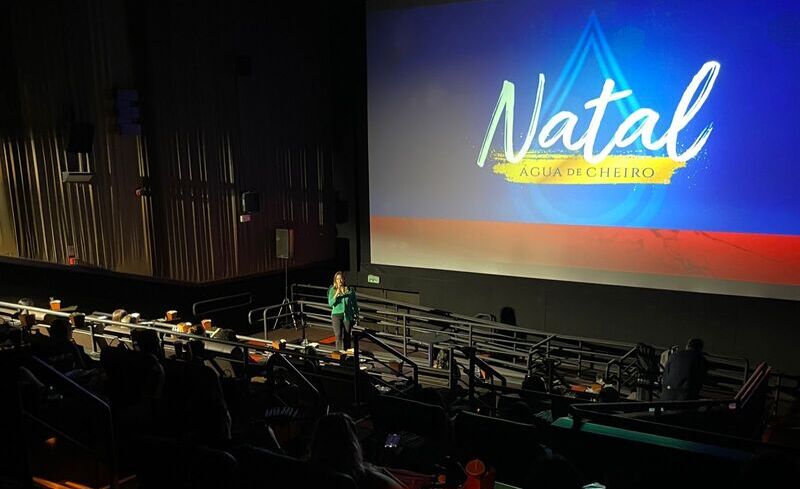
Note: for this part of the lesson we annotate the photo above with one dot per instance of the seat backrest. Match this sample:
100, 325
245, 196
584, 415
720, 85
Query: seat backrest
131, 375
194, 402
337, 384
264, 468
560, 406
394, 414
63, 356
229, 353
508, 446
165, 462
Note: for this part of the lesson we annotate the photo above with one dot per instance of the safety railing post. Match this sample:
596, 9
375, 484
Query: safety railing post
91, 334
471, 355
405, 337
451, 366
302, 319
245, 361
356, 372
264, 317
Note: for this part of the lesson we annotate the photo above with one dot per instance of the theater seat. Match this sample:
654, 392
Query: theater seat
424, 432
194, 406
266, 469
390, 413
134, 385
507, 446
171, 464
337, 384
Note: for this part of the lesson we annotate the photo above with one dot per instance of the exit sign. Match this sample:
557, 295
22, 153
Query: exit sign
373, 279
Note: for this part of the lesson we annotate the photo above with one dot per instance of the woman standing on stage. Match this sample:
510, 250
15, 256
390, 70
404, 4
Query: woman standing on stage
344, 309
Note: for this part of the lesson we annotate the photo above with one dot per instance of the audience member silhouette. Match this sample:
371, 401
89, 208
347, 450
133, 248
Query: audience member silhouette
608, 393
684, 373
146, 340
336, 446
118, 314
62, 352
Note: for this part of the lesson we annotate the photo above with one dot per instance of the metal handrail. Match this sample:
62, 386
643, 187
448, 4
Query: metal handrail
468, 329
161, 328
459, 329
103, 405
278, 357
452, 317
263, 310
466, 320
366, 334
618, 362
19, 307
760, 375
370, 335
605, 411
459, 325
602, 413
222, 299
471, 353
581, 353
510, 328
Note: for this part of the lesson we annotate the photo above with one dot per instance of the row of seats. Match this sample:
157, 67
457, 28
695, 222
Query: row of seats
172, 422
427, 435
166, 463
175, 419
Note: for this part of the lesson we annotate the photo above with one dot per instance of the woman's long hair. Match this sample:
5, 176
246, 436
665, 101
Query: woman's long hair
344, 281
336, 446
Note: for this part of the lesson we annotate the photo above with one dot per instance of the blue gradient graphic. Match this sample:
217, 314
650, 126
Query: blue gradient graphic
434, 75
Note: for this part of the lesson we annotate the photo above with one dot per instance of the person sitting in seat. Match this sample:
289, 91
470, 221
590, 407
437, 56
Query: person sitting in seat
118, 314
146, 340
132, 318
25, 303
684, 373
197, 330
336, 447
608, 393
62, 352
196, 351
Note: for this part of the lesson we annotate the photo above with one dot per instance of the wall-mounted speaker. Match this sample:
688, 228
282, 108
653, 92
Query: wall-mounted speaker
251, 202
284, 243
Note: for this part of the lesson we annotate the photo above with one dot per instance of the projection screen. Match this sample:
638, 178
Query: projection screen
639, 143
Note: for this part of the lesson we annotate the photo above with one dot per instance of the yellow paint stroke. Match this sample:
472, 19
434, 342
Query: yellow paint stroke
566, 169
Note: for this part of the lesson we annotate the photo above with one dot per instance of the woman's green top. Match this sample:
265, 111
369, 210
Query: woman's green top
344, 304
